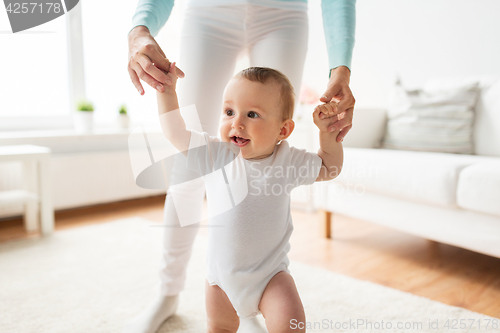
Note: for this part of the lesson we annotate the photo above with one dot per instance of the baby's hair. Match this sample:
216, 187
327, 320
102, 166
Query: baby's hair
265, 75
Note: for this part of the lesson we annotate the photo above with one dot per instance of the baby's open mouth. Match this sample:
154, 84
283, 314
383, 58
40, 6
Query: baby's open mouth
239, 140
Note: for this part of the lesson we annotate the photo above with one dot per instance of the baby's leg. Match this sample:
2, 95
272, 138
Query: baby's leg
222, 317
281, 305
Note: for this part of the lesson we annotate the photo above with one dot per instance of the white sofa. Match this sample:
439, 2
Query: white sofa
448, 198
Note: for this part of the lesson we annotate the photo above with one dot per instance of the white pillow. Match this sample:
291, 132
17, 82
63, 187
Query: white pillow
431, 120
486, 132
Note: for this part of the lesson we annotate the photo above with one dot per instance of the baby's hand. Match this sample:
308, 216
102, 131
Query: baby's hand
172, 75
324, 115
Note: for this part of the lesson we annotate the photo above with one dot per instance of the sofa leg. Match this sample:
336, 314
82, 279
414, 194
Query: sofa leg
327, 222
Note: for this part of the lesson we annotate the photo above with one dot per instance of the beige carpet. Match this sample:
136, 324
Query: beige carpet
94, 278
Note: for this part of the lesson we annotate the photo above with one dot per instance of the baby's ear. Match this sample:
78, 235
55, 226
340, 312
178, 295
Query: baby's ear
286, 129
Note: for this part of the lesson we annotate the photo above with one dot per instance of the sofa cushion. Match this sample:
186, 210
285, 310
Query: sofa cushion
431, 120
479, 188
486, 133
421, 176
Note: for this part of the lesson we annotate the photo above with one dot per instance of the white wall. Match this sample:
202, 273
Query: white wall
417, 39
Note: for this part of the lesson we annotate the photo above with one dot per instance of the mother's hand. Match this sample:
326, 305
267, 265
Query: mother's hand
338, 90
146, 60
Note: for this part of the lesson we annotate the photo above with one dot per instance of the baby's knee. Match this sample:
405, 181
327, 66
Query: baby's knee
221, 316
293, 321
287, 320
292, 326
218, 327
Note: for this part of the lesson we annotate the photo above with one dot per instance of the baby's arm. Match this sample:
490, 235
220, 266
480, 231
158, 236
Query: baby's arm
171, 121
330, 150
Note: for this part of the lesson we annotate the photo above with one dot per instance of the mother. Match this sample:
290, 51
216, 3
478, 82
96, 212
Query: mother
274, 33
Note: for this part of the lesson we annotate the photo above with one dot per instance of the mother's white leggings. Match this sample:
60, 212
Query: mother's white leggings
212, 39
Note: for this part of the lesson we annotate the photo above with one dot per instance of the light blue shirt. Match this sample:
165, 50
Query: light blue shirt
339, 22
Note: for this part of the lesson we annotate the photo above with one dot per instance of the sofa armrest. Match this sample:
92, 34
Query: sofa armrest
367, 129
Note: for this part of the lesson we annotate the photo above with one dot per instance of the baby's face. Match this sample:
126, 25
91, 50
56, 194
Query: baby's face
251, 117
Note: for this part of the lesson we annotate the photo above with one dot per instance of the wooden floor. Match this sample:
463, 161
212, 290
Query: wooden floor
360, 250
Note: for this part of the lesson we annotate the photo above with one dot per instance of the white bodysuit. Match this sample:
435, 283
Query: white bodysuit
249, 213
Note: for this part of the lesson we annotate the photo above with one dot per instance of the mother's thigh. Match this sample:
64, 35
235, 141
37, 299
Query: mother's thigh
278, 39
211, 40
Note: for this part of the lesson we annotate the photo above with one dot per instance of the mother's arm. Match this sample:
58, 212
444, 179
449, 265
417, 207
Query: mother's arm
339, 22
146, 58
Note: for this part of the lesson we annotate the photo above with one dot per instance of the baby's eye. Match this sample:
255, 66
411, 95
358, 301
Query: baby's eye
229, 112
252, 114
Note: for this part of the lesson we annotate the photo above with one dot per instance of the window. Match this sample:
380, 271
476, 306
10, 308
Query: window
47, 67
33, 75
107, 82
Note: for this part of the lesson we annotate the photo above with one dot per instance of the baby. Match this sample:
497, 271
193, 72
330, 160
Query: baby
247, 263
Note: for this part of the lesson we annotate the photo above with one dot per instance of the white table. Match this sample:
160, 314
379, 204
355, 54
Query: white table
36, 194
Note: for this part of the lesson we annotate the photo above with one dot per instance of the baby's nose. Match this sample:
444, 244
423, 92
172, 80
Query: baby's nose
237, 125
